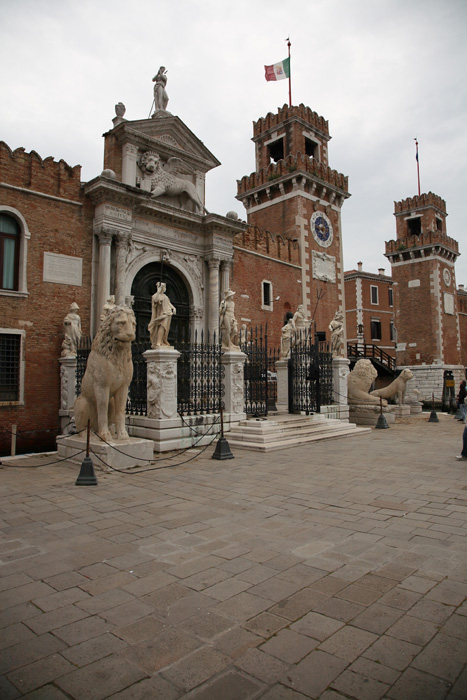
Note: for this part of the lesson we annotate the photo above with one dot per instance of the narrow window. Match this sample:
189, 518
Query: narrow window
392, 330
391, 296
10, 365
375, 329
266, 294
311, 148
9, 252
374, 294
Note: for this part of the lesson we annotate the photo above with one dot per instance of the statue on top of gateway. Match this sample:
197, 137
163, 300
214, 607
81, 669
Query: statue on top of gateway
161, 98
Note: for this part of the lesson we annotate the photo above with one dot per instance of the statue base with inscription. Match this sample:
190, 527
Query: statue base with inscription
116, 454
368, 414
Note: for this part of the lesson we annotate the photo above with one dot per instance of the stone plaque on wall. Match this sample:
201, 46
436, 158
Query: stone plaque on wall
63, 269
448, 304
324, 267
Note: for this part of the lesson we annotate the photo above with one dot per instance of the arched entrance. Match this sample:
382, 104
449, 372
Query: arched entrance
142, 289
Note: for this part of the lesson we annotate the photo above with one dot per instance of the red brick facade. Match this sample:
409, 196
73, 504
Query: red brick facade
422, 259
369, 300
293, 202
45, 198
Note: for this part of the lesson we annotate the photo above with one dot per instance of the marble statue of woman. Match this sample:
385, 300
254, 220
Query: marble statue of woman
161, 99
286, 338
72, 331
162, 312
337, 333
228, 326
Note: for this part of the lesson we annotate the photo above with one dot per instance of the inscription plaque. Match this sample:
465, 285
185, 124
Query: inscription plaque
63, 269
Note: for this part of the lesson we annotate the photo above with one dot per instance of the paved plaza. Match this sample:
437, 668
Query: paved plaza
334, 570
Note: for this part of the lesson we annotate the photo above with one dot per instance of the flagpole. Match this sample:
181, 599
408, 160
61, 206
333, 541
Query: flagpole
290, 74
418, 166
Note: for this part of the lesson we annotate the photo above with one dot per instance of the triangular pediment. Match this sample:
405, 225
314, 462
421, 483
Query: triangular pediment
168, 136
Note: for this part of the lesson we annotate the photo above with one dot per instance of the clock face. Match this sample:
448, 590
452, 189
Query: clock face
321, 228
447, 277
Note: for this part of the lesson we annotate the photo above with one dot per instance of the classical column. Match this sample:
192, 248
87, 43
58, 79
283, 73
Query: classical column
225, 276
213, 304
123, 240
130, 155
103, 283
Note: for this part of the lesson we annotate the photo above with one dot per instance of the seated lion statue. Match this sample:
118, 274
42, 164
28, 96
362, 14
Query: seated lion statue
109, 371
359, 383
396, 388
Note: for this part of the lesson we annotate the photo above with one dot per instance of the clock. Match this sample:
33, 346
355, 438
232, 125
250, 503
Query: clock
447, 277
321, 228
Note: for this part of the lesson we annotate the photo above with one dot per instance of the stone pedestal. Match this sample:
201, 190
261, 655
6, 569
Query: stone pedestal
162, 383
340, 372
67, 390
401, 410
233, 362
117, 454
282, 370
368, 414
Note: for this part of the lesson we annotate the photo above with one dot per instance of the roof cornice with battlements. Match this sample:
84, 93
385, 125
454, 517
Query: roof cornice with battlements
284, 114
420, 202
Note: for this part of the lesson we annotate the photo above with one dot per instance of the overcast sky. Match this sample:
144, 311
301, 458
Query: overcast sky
380, 71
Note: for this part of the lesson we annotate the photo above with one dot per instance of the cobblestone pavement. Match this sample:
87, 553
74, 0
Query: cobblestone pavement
335, 570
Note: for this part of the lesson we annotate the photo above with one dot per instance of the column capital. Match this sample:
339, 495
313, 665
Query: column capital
214, 263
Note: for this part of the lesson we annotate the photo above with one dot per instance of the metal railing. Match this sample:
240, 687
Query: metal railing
260, 378
310, 374
200, 374
370, 352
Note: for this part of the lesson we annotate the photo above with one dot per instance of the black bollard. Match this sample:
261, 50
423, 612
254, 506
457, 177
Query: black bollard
381, 423
86, 476
222, 450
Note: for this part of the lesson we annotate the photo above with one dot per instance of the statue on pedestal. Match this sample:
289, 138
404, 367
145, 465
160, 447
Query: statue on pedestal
359, 383
71, 330
228, 326
337, 333
104, 389
287, 332
161, 99
162, 312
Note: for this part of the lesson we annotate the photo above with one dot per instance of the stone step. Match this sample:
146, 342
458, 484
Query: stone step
282, 432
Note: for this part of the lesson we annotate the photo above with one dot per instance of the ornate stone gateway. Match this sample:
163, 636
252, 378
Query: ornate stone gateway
144, 286
310, 374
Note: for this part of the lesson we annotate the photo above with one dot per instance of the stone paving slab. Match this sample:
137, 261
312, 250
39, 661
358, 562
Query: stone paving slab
331, 571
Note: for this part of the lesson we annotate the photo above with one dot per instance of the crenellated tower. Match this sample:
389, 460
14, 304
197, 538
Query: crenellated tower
422, 259
293, 193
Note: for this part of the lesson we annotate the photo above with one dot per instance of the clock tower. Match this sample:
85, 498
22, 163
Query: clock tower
294, 194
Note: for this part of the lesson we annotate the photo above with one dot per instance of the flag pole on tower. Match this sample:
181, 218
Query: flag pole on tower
418, 167
280, 71
290, 78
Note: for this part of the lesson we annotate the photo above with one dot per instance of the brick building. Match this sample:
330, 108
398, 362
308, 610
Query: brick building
369, 302
45, 263
429, 327
292, 252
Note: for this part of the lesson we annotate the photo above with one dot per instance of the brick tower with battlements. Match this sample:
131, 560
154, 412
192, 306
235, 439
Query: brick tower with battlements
294, 194
422, 259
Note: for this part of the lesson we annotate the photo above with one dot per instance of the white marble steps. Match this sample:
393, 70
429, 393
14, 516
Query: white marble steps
283, 431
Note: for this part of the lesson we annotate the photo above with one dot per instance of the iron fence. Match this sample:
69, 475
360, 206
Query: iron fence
310, 374
260, 376
200, 375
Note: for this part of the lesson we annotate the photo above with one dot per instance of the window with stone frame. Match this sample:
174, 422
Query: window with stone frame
266, 295
375, 329
374, 294
9, 252
11, 388
391, 296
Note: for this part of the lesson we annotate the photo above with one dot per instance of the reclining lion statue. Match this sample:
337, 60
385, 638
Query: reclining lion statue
359, 382
109, 371
396, 388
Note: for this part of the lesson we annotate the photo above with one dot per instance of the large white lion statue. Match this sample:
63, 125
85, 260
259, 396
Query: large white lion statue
104, 389
396, 388
165, 181
359, 382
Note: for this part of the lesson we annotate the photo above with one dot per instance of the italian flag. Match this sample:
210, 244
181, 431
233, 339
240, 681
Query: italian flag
278, 71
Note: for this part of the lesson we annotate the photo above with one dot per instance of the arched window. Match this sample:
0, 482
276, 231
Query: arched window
9, 252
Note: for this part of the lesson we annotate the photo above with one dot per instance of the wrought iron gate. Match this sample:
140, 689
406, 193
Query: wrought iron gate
310, 374
260, 376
